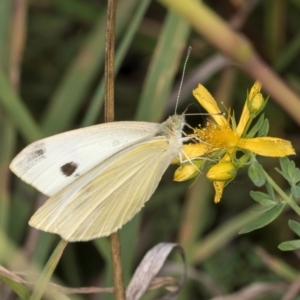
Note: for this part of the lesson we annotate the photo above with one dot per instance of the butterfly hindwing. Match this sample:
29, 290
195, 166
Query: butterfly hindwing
108, 196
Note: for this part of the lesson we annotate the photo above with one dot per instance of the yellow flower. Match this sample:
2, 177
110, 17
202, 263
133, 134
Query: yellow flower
221, 134
219, 137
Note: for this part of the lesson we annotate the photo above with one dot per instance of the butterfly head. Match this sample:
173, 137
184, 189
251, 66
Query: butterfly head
177, 122
172, 127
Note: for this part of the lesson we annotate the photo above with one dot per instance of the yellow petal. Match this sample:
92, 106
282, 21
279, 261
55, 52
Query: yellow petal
209, 103
222, 171
245, 116
219, 187
192, 151
267, 146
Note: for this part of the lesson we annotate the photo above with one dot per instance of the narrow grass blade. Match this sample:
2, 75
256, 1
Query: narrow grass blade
163, 67
21, 290
288, 54
7, 135
5, 9
48, 271
76, 8
98, 98
222, 235
7, 140
69, 95
195, 212
17, 111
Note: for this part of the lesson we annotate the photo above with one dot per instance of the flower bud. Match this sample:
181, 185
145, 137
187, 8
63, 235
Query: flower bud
188, 171
222, 171
255, 89
256, 104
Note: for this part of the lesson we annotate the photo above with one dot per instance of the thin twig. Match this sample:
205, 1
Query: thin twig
109, 117
117, 266
11, 59
18, 38
109, 61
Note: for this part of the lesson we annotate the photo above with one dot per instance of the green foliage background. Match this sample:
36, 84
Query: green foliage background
51, 80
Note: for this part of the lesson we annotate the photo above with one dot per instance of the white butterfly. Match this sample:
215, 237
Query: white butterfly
98, 177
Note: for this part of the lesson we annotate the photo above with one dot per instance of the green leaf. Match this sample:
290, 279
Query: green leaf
256, 174
252, 132
285, 176
264, 129
293, 172
262, 198
289, 245
289, 171
291, 168
243, 160
284, 162
264, 219
296, 176
295, 191
295, 226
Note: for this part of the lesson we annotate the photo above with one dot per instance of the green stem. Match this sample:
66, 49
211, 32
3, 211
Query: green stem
284, 196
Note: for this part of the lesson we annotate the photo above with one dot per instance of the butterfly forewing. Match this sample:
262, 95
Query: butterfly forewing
53, 163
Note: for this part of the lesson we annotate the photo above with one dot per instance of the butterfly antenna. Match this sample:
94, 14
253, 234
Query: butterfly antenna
183, 71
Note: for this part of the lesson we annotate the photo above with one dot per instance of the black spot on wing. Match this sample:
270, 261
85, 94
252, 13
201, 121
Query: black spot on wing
38, 153
69, 168
32, 158
35, 156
